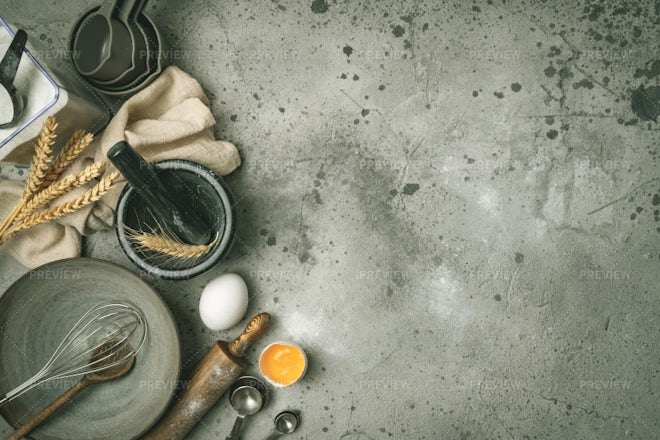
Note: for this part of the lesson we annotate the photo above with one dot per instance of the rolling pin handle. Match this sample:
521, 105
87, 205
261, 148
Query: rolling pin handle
255, 328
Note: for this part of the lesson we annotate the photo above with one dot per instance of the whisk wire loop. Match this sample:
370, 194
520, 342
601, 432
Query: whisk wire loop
106, 336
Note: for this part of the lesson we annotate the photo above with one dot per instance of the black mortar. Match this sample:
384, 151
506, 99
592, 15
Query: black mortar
208, 197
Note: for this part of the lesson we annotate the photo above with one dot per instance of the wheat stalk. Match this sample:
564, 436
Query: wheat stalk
42, 185
78, 142
59, 188
43, 156
168, 244
91, 196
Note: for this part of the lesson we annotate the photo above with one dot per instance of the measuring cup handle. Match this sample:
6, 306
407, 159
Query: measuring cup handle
137, 9
124, 9
11, 60
235, 431
108, 7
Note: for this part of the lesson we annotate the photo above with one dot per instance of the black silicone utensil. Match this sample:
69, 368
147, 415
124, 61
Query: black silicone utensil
172, 208
8, 69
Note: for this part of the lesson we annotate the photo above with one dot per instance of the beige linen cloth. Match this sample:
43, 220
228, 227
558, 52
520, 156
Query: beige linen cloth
169, 119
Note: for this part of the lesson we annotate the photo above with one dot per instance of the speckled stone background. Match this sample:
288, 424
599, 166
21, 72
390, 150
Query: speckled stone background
450, 205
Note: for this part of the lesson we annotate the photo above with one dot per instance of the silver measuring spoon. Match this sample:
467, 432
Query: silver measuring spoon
11, 102
285, 423
246, 401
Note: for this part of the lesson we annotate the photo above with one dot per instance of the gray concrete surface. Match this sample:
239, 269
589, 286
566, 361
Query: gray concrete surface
451, 206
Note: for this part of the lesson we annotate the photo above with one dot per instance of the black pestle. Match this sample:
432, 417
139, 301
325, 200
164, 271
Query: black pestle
171, 208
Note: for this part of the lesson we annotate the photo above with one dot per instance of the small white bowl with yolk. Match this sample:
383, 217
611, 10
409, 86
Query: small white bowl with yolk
283, 363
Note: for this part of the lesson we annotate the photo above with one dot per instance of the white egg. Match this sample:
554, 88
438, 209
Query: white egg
223, 302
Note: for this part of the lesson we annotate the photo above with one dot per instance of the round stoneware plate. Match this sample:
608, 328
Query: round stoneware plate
39, 309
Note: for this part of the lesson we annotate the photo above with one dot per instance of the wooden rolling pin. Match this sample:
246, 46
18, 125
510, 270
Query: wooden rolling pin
210, 378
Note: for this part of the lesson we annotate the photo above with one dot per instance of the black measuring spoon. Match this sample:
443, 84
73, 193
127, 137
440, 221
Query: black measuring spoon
11, 112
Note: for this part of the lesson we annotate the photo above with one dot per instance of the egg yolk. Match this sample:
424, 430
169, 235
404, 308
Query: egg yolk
283, 364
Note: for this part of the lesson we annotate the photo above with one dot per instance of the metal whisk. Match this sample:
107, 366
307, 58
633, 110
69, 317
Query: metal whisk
108, 335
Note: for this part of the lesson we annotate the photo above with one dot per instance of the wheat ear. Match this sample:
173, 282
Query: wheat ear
91, 196
61, 187
167, 244
43, 156
78, 142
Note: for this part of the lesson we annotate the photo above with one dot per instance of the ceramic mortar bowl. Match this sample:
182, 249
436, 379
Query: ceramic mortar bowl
206, 193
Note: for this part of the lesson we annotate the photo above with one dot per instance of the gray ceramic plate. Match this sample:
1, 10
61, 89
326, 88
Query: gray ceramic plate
38, 310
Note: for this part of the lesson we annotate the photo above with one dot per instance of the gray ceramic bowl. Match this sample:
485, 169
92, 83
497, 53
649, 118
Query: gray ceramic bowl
35, 314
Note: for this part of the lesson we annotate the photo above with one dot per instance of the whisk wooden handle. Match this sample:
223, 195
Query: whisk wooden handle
37, 420
210, 379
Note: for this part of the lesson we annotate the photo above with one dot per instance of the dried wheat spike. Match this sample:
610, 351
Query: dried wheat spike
61, 187
78, 142
168, 244
43, 156
91, 196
